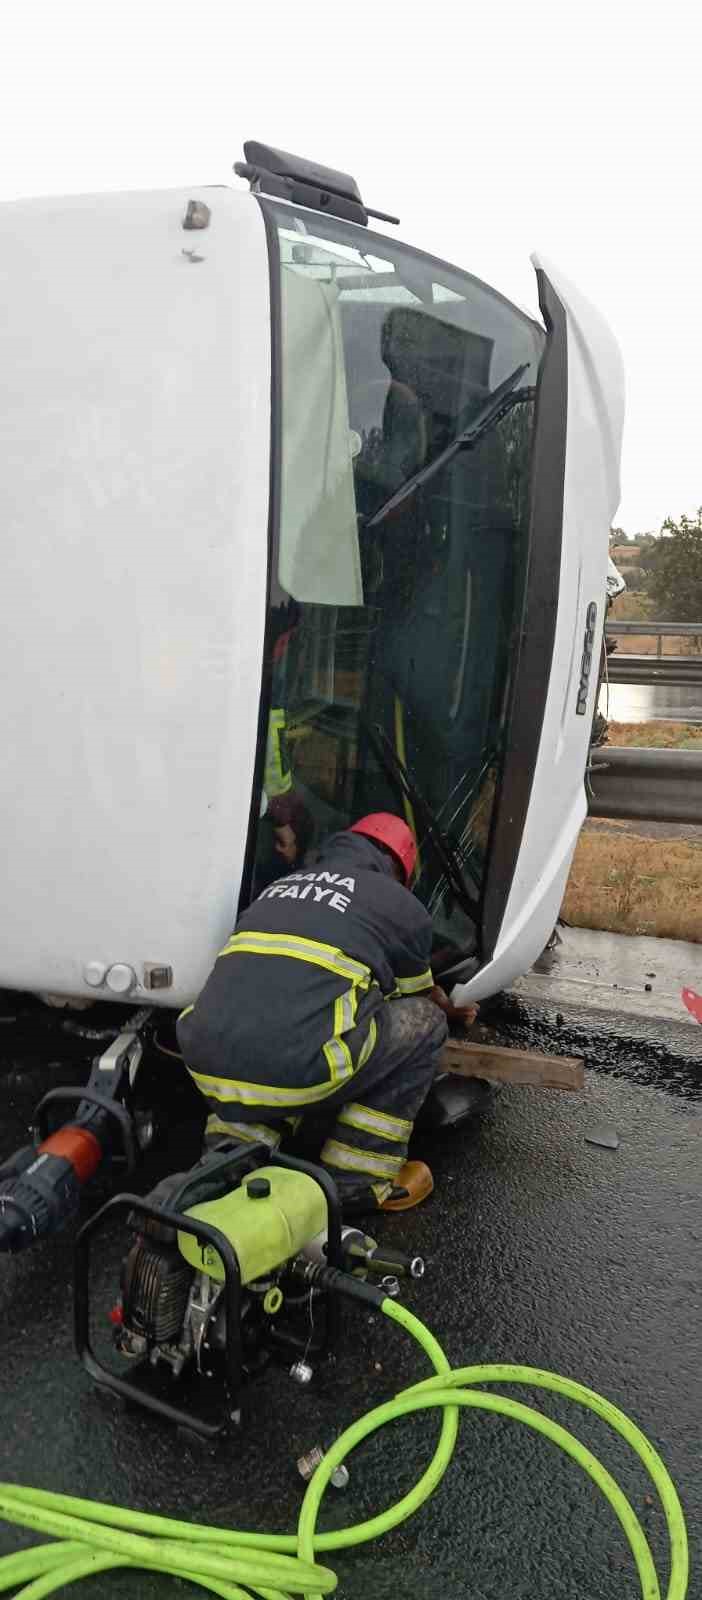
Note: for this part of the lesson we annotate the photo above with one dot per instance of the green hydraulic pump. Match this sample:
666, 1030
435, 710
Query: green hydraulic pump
241, 1261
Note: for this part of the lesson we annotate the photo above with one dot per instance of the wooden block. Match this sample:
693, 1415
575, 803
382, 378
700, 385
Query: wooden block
500, 1065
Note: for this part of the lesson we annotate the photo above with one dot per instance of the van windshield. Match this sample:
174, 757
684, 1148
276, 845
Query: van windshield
394, 615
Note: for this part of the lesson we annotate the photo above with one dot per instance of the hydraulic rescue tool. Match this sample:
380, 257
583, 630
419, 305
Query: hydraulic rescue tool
236, 1263
40, 1185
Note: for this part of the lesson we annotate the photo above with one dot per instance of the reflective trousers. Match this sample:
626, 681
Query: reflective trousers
374, 1110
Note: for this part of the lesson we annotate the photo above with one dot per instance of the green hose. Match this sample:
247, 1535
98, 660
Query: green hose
94, 1538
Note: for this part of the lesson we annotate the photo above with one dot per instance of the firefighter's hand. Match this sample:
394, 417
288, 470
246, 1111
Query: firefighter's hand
464, 1016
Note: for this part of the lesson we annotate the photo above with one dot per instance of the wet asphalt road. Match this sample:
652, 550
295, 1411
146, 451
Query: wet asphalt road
541, 1248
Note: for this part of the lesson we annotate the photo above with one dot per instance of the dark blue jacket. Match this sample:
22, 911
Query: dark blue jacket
288, 1012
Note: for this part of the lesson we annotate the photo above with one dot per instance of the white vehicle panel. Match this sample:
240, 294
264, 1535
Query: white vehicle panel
558, 805
134, 496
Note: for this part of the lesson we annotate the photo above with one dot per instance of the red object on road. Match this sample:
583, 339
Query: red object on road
693, 1002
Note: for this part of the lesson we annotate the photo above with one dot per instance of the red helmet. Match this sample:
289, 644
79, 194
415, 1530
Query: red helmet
383, 828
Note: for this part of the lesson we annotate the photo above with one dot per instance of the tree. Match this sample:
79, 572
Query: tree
674, 570
646, 541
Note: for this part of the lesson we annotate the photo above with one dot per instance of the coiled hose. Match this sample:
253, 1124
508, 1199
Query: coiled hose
94, 1538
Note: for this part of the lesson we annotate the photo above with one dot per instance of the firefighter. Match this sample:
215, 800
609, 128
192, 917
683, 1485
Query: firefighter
323, 1000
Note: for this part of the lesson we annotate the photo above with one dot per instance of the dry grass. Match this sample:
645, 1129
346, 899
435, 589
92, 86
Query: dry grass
631, 606
655, 735
628, 884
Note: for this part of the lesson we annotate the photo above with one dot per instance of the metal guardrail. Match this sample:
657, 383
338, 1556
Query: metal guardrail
656, 630
667, 630
675, 672
649, 785
646, 785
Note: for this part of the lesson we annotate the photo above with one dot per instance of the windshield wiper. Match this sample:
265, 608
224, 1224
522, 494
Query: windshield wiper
443, 846
502, 399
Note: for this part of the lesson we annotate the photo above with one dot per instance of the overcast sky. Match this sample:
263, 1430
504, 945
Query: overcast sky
492, 130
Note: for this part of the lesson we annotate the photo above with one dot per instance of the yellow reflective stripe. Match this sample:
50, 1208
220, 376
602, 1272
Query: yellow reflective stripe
277, 777
229, 1090
248, 1132
370, 1044
344, 1156
395, 1129
345, 1007
186, 1012
320, 955
252, 944
414, 985
336, 1052
216, 1124
338, 1058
